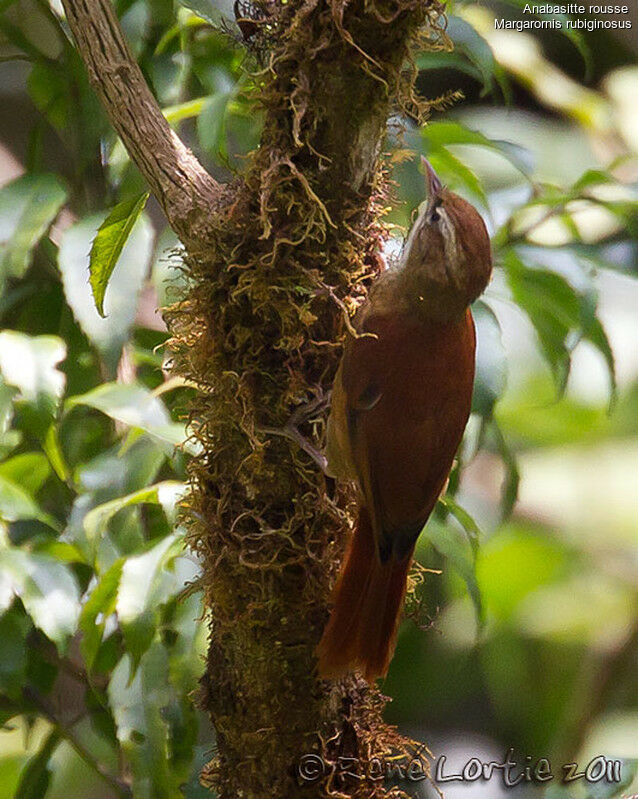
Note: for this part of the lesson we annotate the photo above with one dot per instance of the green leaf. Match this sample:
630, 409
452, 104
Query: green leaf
592, 177
101, 602
117, 471
59, 550
139, 700
471, 44
28, 206
145, 585
191, 636
174, 31
553, 308
11, 767
136, 406
438, 135
595, 333
213, 11
456, 547
110, 333
491, 361
211, 123
8, 438
17, 504
108, 244
456, 174
30, 364
166, 494
175, 114
47, 588
111, 474
53, 450
509, 490
30, 471
433, 60
14, 628
561, 315
35, 778
466, 521
50, 88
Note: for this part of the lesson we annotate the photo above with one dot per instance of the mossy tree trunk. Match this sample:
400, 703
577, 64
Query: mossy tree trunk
277, 260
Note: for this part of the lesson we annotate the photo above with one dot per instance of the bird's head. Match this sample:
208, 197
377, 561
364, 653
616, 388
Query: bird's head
447, 258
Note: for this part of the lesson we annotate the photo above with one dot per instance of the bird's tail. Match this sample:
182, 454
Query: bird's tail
361, 633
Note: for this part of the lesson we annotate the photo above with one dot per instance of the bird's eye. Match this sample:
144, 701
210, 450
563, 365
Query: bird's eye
434, 214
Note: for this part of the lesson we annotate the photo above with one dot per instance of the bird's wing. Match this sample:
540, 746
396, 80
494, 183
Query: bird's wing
361, 394
406, 400
355, 390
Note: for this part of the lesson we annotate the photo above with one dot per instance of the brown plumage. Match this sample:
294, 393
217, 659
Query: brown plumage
400, 402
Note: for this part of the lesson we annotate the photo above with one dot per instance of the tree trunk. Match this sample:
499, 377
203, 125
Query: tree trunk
276, 261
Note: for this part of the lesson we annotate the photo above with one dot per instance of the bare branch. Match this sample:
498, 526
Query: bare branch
185, 190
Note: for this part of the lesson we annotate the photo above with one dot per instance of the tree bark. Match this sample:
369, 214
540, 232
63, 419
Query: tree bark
186, 192
276, 261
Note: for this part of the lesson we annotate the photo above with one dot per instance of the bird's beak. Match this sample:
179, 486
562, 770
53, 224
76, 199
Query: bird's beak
433, 185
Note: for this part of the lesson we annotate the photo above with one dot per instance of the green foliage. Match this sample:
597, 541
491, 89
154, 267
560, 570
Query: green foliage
36, 776
562, 316
108, 244
491, 361
211, 123
92, 568
453, 544
438, 137
30, 364
150, 725
14, 627
127, 273
89, 480
47, 588
213, 12
28, 206
136, 406
472, 56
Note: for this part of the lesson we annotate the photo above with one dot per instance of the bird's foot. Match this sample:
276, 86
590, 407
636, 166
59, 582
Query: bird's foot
302, 414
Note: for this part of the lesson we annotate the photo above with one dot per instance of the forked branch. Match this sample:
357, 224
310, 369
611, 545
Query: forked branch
184, 189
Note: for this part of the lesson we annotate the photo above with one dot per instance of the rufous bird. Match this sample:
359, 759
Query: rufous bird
400, 402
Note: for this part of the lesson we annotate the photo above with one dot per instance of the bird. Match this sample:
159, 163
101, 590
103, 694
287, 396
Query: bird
400, 401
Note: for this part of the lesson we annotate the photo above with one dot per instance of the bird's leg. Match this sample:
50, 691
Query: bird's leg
304, 413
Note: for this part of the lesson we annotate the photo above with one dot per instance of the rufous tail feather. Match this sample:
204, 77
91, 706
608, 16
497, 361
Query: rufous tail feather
362, 629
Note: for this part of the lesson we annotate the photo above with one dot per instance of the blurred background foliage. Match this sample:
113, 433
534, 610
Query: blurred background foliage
531, 638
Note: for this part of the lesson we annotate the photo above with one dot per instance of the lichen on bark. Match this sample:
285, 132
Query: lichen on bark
292, 250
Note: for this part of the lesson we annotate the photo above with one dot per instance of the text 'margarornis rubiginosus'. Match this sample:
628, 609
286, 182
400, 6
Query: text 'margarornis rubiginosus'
400, 403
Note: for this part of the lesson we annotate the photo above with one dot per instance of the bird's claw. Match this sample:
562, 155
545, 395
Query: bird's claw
304, 413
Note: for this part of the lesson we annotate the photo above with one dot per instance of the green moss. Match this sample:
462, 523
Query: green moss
291, 251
